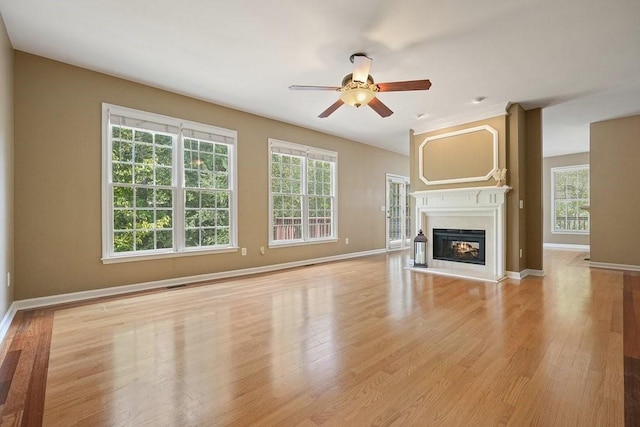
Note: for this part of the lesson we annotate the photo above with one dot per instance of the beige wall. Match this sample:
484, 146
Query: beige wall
533, 196
457, 169
6, 168
516, 217
554, 162
520, 148
57, 191
615, 191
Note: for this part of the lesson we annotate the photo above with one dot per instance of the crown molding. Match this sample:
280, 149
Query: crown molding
482, 113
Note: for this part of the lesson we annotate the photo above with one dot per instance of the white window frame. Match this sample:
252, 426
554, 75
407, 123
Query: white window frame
310, 152
179, 248
553, 199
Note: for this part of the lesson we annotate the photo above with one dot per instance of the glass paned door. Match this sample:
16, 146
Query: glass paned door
397, 209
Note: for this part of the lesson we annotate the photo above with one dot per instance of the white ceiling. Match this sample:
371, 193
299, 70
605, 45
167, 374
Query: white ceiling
580, 60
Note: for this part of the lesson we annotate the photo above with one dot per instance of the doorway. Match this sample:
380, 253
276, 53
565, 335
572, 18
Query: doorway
398, 212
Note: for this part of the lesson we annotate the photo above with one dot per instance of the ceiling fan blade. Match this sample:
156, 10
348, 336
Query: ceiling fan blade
361, 68
380, 108
334, 107
402, 86
298, 87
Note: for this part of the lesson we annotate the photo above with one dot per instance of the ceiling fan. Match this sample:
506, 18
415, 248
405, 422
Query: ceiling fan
358, 88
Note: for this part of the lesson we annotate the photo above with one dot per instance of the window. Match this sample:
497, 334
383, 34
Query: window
168, 186
570, 193
302, 194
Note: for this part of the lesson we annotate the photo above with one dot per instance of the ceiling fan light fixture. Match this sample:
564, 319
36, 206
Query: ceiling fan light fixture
358, 88
357, 96
356, 93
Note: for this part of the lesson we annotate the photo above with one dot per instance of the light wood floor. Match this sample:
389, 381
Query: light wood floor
358, 342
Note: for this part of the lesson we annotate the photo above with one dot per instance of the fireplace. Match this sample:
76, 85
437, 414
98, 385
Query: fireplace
477, 208
458, 245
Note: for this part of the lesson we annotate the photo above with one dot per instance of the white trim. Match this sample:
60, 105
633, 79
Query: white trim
404, 180
567, 246
177, 131
524, 273
125, 289
6, 320
553, 198
537, 273
287, 244
571, 233
470, 275
486, 128
485, 113
610, 266
476, 203
145, 257
306, 153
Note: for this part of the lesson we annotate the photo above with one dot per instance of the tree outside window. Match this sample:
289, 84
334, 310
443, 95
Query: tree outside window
570, 194
168, 185
302, 193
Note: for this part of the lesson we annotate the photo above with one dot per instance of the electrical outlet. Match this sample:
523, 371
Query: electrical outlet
520, 253
261, 250
244, 251
346, 241
383, 208
521, 204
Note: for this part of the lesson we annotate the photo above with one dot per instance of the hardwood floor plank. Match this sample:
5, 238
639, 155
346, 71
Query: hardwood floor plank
362, 342
7, 371
632, 391
631, 315
34, 404
29, 347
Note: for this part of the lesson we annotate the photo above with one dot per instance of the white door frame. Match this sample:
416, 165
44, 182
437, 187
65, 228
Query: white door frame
402, 243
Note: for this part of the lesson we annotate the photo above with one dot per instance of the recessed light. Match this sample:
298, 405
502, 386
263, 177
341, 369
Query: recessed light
477, 100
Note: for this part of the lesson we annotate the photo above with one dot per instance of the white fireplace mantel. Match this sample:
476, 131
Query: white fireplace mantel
466, 208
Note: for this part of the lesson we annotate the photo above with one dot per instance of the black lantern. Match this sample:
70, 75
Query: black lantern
420, 250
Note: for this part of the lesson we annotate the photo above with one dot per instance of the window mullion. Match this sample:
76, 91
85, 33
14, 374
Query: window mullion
305, 200
108, 205
178, 194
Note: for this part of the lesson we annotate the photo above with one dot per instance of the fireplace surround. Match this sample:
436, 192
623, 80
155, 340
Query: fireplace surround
476, 208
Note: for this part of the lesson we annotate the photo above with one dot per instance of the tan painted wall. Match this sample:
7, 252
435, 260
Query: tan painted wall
498, 123
6, 168
615, 191
57, 191
438, 166
554, 162
533, 197
519, 146
516, 217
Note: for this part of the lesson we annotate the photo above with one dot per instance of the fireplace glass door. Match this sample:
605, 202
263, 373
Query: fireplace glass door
466, 246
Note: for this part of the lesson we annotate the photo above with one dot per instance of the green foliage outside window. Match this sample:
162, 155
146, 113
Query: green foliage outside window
570, 195
144, 191
291, 189
142, 210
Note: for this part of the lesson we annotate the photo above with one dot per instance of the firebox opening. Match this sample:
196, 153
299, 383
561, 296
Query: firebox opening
466, 246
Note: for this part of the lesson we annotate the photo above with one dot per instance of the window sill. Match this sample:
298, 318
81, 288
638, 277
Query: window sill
579, 233
301, 243
149, 257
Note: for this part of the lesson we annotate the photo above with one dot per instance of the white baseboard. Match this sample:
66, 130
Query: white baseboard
610, 266
518, 275
463, 274
567, 246
6, 320
126, 289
